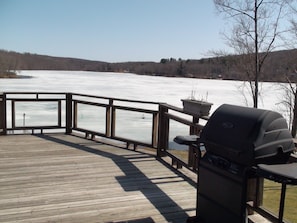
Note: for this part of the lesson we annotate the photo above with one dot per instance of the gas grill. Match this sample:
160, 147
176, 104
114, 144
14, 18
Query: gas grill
238, 142
248, 136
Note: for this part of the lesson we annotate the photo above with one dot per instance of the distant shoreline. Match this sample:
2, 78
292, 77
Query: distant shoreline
225, 67
13, 75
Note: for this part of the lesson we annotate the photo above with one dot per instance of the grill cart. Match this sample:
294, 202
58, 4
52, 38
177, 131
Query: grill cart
241, 144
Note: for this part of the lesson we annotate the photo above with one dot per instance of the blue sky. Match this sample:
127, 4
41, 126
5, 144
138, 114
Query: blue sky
112, 30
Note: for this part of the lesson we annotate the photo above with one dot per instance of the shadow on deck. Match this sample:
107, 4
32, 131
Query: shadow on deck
63, 178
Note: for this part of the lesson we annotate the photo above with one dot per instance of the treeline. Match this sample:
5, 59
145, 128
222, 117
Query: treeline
278, 65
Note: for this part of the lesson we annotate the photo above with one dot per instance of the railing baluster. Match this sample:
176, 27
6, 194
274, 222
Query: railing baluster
113, 121
13, 114
192, 162
155, 129
75, 111
108, 121
68, 105
163, 131
60, 114
3, 121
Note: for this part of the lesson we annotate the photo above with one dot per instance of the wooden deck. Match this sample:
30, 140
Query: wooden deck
62, 178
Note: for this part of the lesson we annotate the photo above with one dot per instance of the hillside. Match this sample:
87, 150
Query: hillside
277, 64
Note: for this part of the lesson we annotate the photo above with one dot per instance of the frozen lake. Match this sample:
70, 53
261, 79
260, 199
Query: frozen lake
149, 88
145, 88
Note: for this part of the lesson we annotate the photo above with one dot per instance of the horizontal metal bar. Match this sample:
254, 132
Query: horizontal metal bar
184, 164
36, 127
117, 99
35, 99
94, 133
177, 109
183, 121
89, 132
135, 109
266, 214
32, 92
90, 103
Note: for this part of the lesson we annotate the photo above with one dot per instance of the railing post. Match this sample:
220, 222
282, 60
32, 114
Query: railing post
113, 119
255, 188
59, 114
163, 131
13, 114
259, 188
68, 113
3, 126
109, 120
155, 130
192, 158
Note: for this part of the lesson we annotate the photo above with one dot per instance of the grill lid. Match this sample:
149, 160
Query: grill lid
247, 135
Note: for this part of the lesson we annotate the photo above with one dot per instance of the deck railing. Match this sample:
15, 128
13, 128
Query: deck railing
95, 116
109, 115
24, 112
168, 114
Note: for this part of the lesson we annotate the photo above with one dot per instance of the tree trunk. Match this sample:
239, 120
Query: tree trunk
256, 55
294, 121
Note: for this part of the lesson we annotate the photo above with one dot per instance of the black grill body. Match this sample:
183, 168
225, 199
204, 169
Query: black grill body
248, 136
236, 139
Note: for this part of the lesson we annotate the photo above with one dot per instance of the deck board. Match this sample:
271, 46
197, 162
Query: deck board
63, 178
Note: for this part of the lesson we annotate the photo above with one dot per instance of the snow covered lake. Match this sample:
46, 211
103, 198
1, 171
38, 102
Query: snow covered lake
145, 88
148, 88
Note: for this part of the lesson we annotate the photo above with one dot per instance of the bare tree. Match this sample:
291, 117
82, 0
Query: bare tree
289, 99
255, 33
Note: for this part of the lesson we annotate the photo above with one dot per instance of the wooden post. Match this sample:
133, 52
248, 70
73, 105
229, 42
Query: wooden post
260, 191
192, 157
3, 127
13, 114
155, 130
163, 131
255, 187
108, 118
113, 122
59, 114
113, 119
68, 113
